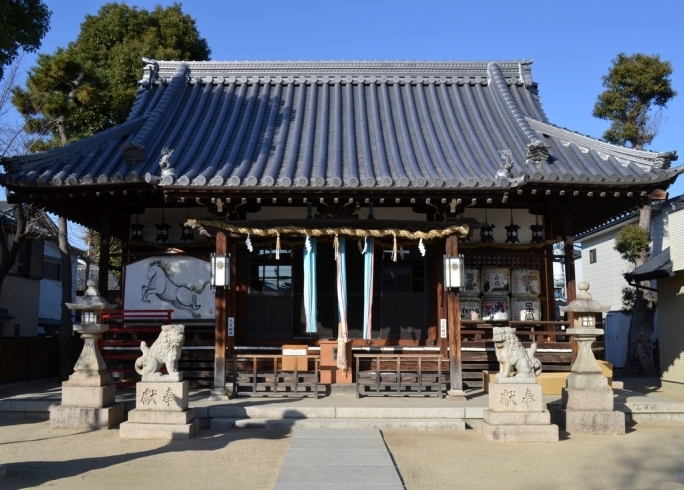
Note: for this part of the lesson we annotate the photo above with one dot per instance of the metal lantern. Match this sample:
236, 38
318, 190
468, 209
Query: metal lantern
453, 272
220, 271
137, 230
512, 231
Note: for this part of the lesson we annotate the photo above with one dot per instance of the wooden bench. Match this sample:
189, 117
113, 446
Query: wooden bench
263, 375
400, 375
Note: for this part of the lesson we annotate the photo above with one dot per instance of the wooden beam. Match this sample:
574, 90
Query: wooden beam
105, 239
454, 327
220, 327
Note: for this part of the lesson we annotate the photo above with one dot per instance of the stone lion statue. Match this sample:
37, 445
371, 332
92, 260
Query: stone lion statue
165, 351
511, 354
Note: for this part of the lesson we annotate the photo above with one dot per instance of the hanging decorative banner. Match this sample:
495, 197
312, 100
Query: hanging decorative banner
336, 247
162, 230
307, 244
137, 230
421, 247
277, 252
248, 242
512, 231
365, 245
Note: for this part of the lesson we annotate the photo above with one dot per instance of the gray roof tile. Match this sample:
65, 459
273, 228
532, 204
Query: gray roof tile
339, 124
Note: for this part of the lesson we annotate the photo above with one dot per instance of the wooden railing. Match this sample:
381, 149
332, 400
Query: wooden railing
24, 358
399, 375
127, 328
262, 375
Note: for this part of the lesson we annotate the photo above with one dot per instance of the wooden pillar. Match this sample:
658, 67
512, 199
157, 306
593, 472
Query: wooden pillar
454, 327
220, 327
570, 287
441, 301
103, 265
231, 296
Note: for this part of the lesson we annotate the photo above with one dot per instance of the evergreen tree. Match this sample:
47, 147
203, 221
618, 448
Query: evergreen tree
23, 23
634, 86
90, 85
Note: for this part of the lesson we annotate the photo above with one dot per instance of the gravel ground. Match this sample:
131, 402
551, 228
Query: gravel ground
648, 457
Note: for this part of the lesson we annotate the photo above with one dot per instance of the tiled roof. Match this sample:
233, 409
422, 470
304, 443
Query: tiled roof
339, 125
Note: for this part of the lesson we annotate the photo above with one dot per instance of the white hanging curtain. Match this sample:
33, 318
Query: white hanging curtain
310, 303
368, 263
342, 331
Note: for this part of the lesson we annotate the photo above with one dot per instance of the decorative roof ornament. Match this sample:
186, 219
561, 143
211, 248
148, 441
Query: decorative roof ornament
507, 165
133, 153
150, 73
537, 153
168, 173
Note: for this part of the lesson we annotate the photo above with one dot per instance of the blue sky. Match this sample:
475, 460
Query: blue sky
572, 43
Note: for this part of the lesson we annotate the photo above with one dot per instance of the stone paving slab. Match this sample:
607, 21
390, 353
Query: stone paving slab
338, 459
333, 457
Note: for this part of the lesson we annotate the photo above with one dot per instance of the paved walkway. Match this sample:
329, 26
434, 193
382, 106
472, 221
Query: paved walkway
339, 459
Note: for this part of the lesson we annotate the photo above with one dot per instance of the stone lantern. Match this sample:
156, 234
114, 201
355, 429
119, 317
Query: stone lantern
588, 400
90, 369
88, 396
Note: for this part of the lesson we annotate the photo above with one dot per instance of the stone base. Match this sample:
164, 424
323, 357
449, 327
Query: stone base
62, 417
519, 433
89, 378
219, 394
150, 417
134, 430
517, 418
515, 397
161, 396
87, 396
589, 421
456, 394
600, 400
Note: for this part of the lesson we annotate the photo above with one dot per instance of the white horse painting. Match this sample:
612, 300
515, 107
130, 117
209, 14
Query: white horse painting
181, 296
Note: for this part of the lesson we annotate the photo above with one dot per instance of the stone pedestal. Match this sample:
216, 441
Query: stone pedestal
161, 412
516, 413
587, 405
88, 396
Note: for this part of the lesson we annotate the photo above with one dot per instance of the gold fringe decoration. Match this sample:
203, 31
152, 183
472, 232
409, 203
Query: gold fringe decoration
317, 232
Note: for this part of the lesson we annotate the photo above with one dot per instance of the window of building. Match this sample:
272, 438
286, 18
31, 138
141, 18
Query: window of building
51, 270
592, 256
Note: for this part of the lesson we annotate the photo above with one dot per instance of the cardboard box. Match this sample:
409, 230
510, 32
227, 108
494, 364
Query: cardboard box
291, 359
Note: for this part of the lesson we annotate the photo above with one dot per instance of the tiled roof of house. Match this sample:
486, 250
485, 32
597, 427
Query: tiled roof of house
287, 125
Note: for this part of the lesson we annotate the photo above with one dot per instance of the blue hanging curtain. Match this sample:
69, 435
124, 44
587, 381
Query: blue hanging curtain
310, 306
368, 262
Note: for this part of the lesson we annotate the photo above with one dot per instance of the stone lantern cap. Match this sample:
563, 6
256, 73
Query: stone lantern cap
91, 300
584, 303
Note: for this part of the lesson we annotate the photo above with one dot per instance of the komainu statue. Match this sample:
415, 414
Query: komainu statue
165, 351
512, 355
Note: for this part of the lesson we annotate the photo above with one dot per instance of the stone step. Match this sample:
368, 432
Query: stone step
223, 424
279, 412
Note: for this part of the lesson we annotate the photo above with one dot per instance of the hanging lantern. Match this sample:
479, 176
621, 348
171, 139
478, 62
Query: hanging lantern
512, 231
487, 231
162, 230
187, 233
137, 230
537, 231
453, 272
